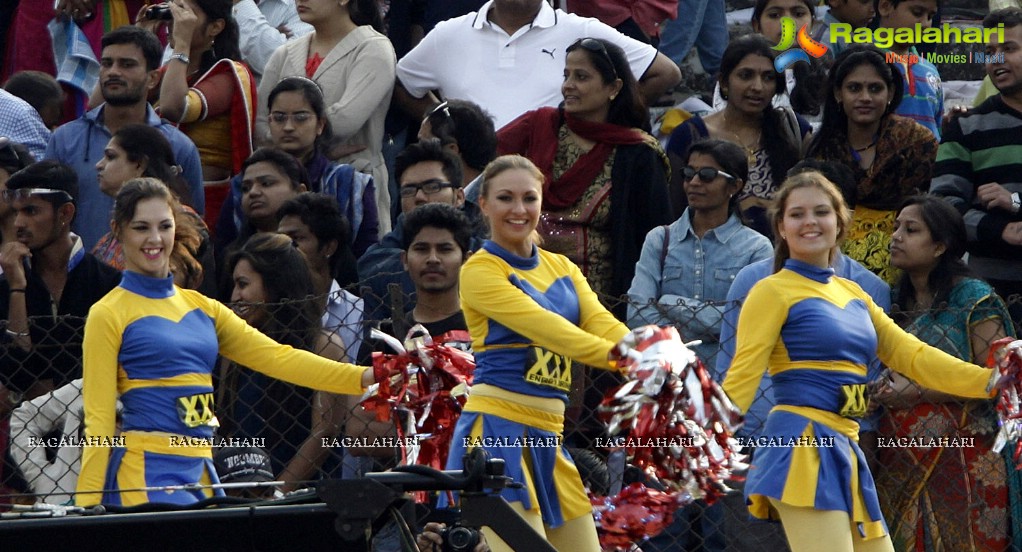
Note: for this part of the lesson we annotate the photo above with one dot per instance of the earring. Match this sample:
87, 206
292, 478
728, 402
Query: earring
723, 93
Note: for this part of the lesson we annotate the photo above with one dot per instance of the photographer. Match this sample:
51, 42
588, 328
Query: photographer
431, 539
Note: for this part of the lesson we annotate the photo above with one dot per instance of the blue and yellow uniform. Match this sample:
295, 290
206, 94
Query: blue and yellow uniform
528, 317
816, 333
154, 345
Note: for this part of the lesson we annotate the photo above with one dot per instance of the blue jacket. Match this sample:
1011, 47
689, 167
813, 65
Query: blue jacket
80, 144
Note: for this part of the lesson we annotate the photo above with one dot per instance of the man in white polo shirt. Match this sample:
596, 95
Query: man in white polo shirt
509, 58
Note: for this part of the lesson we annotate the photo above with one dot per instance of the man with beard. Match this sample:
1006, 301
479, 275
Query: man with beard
128, 71
49, 281
979, 163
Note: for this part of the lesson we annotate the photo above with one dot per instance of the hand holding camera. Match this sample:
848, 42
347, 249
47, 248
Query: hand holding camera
437, 537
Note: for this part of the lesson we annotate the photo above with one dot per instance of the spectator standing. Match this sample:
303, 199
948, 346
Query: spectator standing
20, 122
698, 23
353, 64
506, 58
42, 92
128, 72
264, 26
467, 130
978, 167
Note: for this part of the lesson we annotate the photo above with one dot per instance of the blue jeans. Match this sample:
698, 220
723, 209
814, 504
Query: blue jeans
700, 23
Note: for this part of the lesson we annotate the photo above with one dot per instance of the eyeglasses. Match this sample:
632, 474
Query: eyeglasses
706, 174
298, 117
596, 47
25, 193
430, 187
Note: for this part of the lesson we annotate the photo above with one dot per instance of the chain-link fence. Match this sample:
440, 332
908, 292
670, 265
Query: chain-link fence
938, 481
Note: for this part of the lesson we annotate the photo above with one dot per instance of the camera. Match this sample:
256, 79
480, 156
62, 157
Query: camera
159, 12
458, 538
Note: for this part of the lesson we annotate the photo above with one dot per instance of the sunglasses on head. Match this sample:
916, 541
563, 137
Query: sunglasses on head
596, 47
441, 107
25, 193
706, 174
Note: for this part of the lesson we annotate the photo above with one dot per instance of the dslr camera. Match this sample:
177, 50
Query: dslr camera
159, 12
458, 538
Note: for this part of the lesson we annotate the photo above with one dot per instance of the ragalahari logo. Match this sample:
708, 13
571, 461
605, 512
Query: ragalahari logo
806, 45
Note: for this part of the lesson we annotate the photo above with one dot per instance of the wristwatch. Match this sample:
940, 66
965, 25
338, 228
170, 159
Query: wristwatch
183, 58
1016, 203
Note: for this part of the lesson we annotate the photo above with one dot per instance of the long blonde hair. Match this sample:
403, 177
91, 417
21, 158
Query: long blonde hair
506, 163
807, 179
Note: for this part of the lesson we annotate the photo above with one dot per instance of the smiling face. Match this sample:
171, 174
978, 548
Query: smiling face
769, 23
712, 196
809, 226
264, 188
512, 205
249, 294
586, 95
297, 133
148, 238
114, 168
750, 87
864, 96
433, 260
912, 246
1006, 76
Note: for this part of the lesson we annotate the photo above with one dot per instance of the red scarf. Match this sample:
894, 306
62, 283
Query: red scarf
534, 135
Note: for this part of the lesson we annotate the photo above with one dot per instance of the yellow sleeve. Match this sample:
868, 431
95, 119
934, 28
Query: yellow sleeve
759, 328
248, 347
593, 316
928, 366
100, 348
486, 289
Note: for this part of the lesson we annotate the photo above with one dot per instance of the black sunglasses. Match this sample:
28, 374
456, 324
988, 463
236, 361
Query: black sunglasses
706, 174
596, 47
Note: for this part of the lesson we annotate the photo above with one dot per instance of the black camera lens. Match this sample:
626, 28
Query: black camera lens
460, 539
159, 12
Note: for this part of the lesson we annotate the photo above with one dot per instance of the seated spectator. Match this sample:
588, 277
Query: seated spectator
802, 86
13, 158
317, 228
353, 64
207, 91
772, 138
268, 178
686, 267
244, 465
682, 279
49, 281
891, 156
507, 58
467, 130
426, 173
299, 125
20, 122
857, 13
42, 92
957, 496
606, 177
273, 292
127, 72
141, 150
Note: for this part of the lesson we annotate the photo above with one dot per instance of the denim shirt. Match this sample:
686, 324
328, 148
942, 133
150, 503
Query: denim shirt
690, 288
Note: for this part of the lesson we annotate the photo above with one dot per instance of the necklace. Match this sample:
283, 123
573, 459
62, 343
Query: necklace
866, 147
750, 151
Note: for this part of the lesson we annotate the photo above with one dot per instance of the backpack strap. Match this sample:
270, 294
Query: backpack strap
663, 254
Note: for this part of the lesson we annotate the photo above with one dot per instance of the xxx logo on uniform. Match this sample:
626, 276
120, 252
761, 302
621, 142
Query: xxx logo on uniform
806, 45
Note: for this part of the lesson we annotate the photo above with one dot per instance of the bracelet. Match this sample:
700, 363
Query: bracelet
16, 290
13, 333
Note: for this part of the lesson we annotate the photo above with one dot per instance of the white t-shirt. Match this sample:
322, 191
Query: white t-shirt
470, 58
